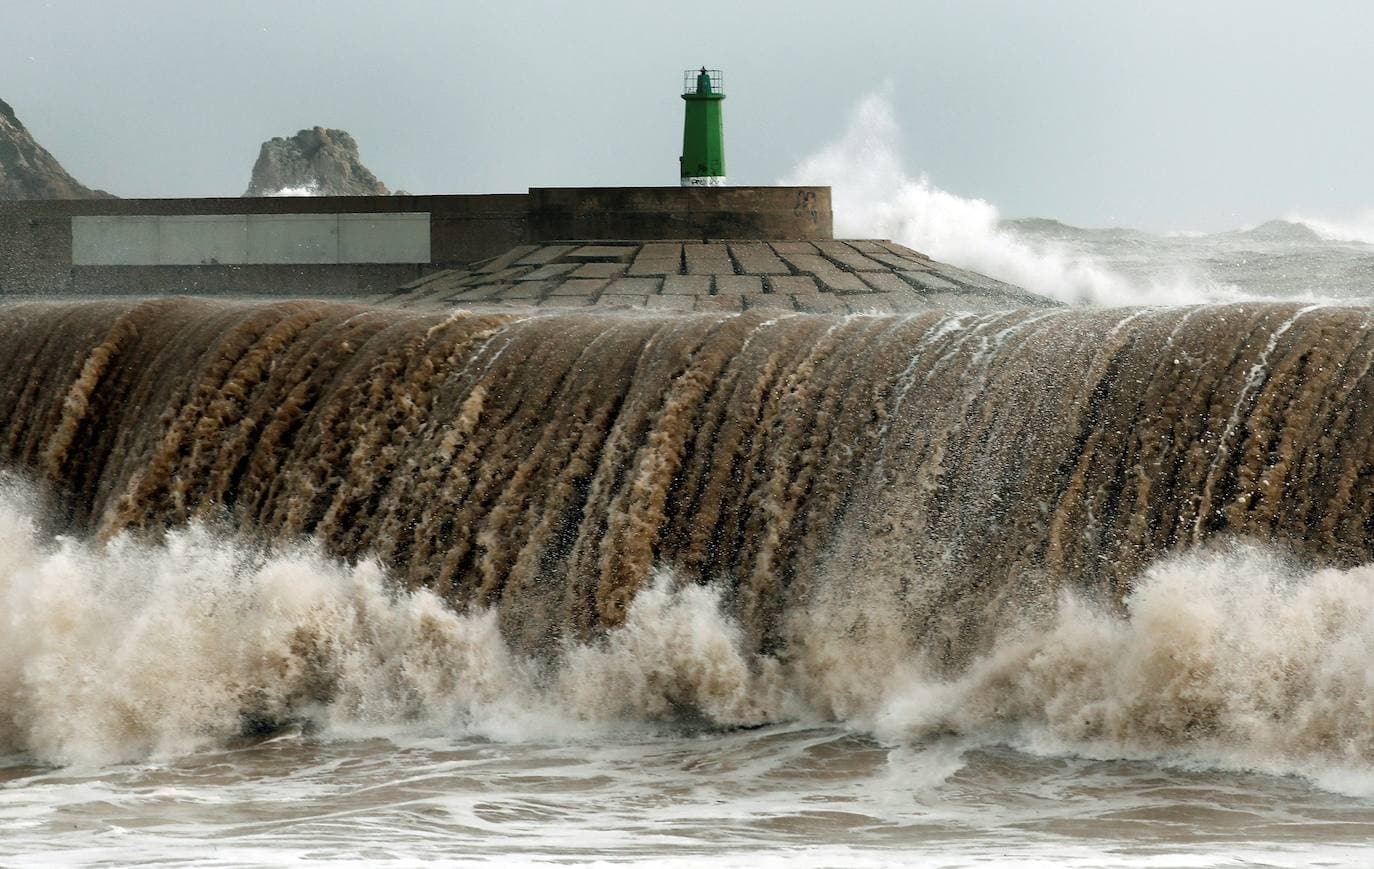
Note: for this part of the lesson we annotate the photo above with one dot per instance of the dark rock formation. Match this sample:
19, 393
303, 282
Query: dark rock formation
317, 161
28, 171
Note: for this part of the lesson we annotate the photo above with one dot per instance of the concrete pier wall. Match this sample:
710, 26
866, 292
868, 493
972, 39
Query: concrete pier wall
688, 213
167, 245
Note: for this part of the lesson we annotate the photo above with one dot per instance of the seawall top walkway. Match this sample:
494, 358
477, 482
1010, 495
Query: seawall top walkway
855, 276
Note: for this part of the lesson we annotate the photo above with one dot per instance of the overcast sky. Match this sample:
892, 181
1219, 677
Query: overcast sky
1165, 115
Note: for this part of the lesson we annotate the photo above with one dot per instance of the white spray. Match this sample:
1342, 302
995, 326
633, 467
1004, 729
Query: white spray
130, 650
874, 197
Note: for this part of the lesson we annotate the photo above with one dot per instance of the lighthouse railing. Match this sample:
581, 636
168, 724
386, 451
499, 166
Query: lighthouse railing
689, 81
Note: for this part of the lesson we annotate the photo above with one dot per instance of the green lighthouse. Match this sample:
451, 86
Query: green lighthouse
703, 133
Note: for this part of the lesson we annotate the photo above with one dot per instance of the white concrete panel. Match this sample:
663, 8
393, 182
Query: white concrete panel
384, 238
202, 239
114, 241
293, 238
234, 239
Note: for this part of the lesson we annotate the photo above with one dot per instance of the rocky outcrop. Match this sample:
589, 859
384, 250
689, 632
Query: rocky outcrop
28, 171
314, 162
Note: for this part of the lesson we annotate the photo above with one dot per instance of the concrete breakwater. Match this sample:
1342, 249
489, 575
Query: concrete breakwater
962, 465
345, 245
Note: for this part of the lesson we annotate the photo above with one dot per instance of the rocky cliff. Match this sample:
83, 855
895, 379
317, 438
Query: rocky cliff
315, 162
28, 171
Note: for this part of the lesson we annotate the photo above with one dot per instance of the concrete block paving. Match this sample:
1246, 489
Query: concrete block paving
863, 276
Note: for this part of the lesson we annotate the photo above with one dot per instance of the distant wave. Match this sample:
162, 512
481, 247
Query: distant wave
1358, 228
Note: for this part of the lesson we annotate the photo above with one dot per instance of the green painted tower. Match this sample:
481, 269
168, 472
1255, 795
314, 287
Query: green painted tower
703, 132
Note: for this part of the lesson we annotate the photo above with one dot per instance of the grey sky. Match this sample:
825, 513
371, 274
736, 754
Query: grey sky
1165, 115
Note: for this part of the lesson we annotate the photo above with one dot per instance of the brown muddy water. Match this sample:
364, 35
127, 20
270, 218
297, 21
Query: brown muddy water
325, 583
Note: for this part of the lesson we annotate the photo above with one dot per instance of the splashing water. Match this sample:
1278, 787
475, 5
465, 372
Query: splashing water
1357, 228
714, 582
130, 650
875, 197
1228, 658
347, 584
1232, 657
311, 189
